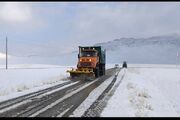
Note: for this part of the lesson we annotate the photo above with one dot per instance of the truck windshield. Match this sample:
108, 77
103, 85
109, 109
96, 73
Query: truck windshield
88, 54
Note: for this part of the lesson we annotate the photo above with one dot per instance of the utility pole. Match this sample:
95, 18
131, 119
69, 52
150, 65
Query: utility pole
6, 53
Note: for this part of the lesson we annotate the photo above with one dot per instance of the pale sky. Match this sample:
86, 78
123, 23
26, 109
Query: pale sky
63, 26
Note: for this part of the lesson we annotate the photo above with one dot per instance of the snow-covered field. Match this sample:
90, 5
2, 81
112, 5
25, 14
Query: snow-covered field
152, 92
25, 78
146, 90
20, 79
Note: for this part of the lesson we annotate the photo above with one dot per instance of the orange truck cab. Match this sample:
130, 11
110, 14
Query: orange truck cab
88, 58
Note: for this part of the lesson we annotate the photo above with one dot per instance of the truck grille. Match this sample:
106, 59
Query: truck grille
85, 64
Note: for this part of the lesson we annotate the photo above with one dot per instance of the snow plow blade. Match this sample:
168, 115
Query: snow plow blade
82, 74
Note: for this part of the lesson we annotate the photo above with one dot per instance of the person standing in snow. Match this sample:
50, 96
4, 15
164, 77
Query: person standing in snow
124, 64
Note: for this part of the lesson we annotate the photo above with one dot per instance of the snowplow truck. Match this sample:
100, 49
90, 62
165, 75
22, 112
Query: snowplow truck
91, 63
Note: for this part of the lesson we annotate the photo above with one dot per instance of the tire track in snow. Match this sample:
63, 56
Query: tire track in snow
96, 108
10, 105
13, 101
76, 99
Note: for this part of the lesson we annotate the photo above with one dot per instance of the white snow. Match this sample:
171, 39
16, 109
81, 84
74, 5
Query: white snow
146, 92
22, 79
3, 56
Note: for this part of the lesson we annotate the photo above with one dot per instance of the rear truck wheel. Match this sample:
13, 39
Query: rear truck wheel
96, 71
102, 69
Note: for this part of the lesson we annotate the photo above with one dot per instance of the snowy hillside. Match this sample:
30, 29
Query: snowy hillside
66, 59
2, 56
152, 50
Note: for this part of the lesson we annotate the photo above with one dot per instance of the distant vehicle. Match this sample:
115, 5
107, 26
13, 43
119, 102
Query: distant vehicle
116, 65
124, 64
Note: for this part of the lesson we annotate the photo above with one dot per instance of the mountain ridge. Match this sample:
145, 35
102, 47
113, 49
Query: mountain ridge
152, 50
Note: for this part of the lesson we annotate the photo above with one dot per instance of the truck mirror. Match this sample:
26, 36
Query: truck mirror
78, 55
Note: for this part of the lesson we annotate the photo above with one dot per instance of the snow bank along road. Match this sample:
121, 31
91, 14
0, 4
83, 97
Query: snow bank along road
146, 91
57, 101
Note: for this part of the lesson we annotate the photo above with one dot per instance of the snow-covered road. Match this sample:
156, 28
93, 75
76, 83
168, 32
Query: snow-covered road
146, 90
52, 102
